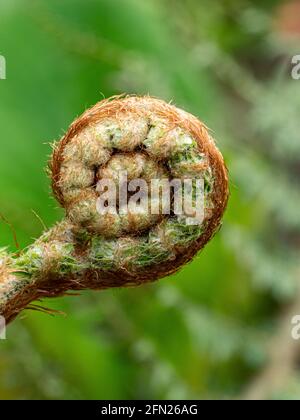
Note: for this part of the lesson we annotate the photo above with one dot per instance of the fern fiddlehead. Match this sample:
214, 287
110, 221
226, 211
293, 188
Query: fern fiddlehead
147, 139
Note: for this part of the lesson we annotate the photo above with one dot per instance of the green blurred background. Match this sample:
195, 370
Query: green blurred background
221, 327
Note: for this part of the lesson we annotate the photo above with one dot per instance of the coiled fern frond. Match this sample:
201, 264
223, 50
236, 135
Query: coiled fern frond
147, 139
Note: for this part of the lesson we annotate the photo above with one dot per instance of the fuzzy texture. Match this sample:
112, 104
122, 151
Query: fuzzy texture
147, 138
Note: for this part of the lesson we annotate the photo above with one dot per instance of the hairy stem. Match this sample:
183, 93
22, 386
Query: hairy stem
15, 292
63, 258
25, 277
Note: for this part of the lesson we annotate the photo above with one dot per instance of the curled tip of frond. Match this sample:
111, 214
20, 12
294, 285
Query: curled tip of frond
151, 138
129, 124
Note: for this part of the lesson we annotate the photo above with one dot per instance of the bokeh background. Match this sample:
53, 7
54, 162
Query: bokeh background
221, 327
